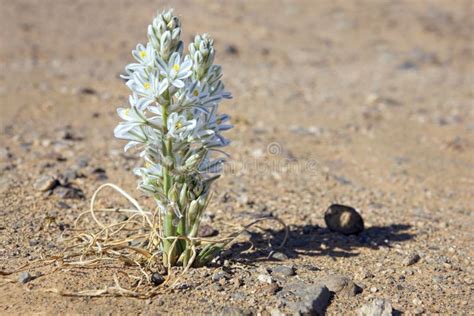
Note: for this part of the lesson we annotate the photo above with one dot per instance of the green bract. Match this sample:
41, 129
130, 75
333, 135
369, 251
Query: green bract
173, 121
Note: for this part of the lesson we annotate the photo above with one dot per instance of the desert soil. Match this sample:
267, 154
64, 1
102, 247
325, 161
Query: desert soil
362, 103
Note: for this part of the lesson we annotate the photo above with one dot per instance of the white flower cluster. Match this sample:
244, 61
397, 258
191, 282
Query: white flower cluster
173, 116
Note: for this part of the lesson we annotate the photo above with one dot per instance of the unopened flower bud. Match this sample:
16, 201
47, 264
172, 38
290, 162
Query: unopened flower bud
193, 209
192, 161
182, 195
202, 201
173, 194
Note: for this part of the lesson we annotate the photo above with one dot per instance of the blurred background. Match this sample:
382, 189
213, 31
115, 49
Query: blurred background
376, 96
359, 81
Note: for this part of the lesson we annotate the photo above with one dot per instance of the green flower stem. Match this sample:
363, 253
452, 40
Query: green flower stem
182, 226
169, 230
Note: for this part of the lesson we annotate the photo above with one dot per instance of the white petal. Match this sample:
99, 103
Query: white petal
174, 59
178, 83
130, 145
163, 86
123, 113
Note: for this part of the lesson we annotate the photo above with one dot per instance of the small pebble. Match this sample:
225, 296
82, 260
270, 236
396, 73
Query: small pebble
33, 242
24, 277
265, 278
283, 271
411, 259
341, 285
45, 183
220, 275
378, 307
280, 256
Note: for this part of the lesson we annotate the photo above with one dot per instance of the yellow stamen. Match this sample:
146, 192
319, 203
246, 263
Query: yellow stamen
142, 54
195, 93
147, 164
126, 112
179, 125
176, 67
146, 85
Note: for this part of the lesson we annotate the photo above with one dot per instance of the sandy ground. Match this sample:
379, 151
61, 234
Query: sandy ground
365, 103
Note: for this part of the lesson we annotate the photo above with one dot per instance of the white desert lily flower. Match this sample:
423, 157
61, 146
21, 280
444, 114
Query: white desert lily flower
144, 55
179, 127
175, 71
148, 86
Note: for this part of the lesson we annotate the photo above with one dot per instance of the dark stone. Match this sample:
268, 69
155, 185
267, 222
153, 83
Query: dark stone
157, 279
343, 219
